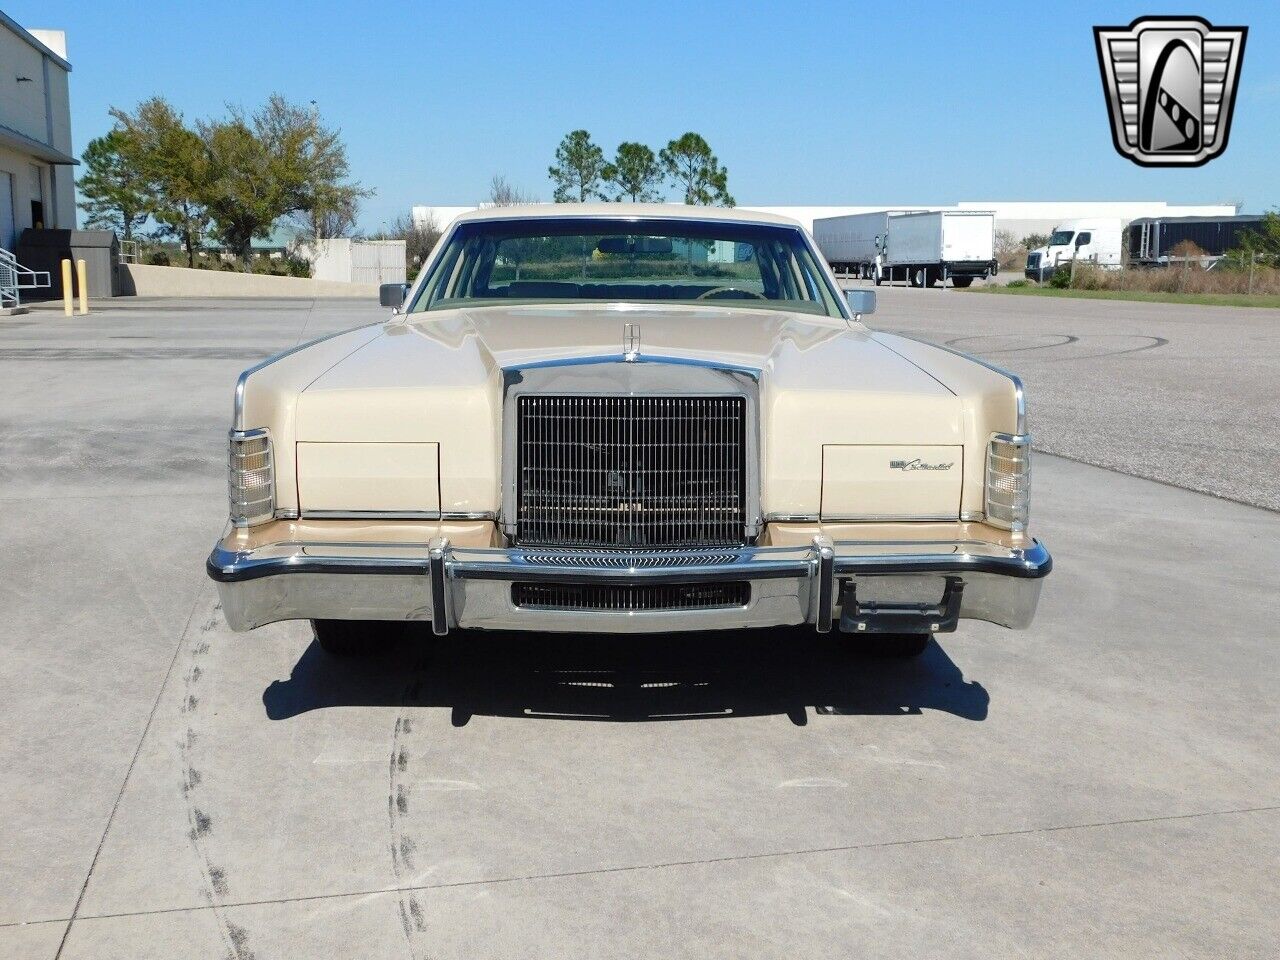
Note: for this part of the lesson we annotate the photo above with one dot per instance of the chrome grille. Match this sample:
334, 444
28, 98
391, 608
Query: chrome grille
606, 596
631, 471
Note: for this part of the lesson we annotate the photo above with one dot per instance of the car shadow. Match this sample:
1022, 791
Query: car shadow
646, 677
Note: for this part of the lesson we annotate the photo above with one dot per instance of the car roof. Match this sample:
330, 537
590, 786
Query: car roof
626, 211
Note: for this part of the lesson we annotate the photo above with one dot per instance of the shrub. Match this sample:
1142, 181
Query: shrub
1061, 278
159, 258
1017, 283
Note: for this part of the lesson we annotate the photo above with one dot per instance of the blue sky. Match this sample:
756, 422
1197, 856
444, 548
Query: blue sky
805, 103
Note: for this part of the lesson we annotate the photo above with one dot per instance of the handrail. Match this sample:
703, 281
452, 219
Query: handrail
14, 277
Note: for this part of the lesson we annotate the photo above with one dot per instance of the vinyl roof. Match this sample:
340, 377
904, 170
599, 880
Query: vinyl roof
626, 211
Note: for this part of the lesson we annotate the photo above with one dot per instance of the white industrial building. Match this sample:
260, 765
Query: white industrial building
36, 183
1017, 217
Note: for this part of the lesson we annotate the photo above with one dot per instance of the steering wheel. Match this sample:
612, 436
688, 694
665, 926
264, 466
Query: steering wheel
714, 290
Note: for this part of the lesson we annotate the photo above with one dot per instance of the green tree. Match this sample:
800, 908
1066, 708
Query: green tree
171, 158
634, 174
696, 171
578, 168
1033, 240
114, 191
280, 162
1261, 244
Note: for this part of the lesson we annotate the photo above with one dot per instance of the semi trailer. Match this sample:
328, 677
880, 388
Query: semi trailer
1159, 241
919, 247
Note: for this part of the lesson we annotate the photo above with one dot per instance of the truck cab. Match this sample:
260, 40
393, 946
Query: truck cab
1095, 241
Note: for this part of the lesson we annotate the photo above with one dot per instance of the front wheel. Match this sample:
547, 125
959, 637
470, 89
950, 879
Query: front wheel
961, 282
919, 277
354, 638
893, 645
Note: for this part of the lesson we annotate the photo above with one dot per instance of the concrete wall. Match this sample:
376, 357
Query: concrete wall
144, 280
358, 261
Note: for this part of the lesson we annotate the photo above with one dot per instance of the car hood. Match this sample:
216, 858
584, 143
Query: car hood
437, 378
793, 351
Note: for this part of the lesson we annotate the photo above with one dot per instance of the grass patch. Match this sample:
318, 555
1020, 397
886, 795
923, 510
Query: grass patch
1147, 296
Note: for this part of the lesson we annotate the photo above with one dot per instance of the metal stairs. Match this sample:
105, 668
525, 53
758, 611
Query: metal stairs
14, 278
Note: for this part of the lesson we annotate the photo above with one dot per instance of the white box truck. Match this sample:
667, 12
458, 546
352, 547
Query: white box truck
1096, 241
918, 247
926, 247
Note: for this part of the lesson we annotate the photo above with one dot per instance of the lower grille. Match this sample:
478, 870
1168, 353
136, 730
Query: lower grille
631, 471
605, 596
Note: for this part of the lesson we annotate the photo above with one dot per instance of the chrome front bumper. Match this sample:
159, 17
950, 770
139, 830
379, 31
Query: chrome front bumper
854, 585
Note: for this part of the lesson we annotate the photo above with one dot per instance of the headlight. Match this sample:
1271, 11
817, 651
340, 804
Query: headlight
1009, 481
251, 485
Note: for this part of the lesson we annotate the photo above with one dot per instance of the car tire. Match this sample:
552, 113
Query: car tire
961, 282
353, 638
898, 646
919, 277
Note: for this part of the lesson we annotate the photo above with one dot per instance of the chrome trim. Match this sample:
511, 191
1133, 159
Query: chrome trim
237, 414
370, 514
470, 587
613, 375
286, 514
438, 574
398, 515
824, 568
972, 516
791, 518
1018, 391
887, 517
237, 436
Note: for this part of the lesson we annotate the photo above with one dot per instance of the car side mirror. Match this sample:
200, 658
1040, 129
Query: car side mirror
392, 295
861, 302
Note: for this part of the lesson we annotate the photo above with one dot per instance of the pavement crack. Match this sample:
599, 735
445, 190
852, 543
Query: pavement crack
400, 891
137, 751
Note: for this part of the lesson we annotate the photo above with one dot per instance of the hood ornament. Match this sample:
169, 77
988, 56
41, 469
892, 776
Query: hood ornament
630, 342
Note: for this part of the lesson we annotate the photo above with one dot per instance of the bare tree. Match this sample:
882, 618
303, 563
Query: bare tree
420, 238
1009, 249
503, 193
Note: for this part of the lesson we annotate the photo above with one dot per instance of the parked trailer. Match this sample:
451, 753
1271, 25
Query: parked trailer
918, 247
1156, 241
854, 243
929, 246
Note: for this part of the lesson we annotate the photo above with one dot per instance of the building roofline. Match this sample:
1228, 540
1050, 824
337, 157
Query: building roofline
37, 148
24, 34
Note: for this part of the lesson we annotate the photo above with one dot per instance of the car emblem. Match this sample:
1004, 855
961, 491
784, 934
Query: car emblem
630, 342
1170, 84
918, 464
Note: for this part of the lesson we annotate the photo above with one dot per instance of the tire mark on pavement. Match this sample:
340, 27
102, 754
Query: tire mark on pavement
1068, 339
200, 824
403, 848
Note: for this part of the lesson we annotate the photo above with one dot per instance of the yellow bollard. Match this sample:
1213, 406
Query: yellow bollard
82, 274
66, 287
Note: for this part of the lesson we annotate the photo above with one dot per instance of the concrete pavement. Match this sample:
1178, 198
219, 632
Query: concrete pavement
1106, 784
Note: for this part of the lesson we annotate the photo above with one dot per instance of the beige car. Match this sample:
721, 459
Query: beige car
619, 418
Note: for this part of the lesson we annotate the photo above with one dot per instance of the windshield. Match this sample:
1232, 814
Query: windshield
1060, 238
492, 262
